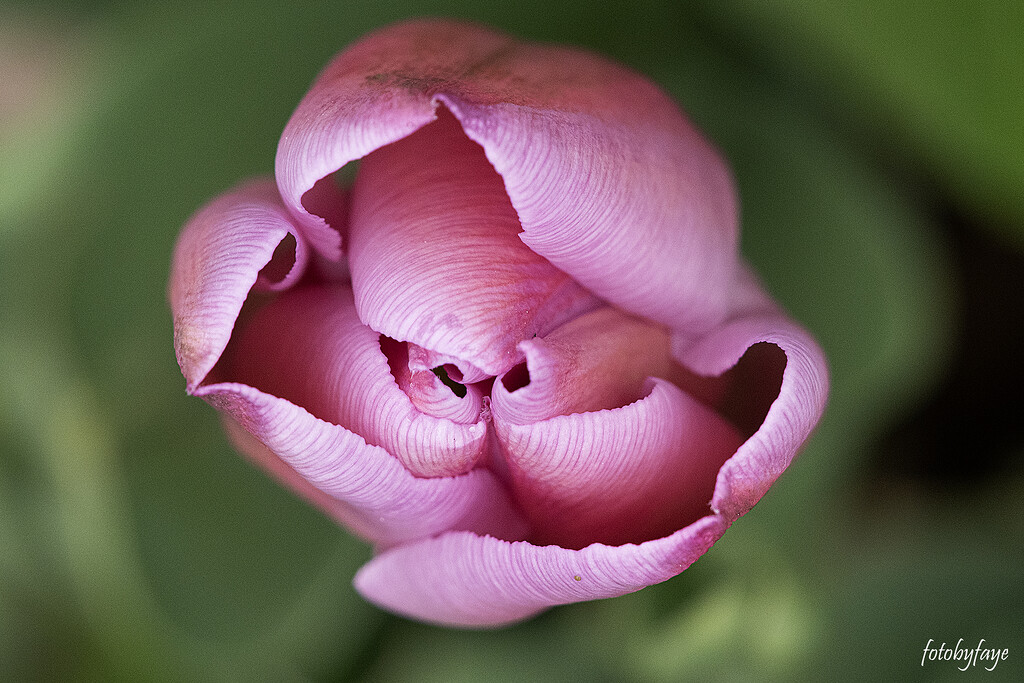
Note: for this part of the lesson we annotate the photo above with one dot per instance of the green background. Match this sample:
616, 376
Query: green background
879, 152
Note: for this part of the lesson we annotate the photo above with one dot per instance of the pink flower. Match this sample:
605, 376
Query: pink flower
509, 355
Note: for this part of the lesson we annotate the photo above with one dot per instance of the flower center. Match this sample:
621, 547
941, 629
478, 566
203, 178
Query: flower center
444, 374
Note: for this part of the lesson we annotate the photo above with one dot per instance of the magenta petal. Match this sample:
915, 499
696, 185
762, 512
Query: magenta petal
436, 257
463, 579
309, 347
618, 476
360, 485
217, 260
611, 183
746, 477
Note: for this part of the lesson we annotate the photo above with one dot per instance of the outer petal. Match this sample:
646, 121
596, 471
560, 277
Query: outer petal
746, 477
217, 260
616, 476
309, 347
641, 212
354, 107
463, 579
612, 185
359, 484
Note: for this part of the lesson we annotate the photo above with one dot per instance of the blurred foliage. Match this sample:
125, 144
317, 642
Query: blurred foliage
135, 544
938, 79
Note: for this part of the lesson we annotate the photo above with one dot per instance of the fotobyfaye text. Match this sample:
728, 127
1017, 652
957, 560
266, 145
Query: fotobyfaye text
968, 656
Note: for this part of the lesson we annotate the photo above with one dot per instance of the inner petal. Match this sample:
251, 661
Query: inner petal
309, 348
433, 391
626, 475
600, 360
436, 257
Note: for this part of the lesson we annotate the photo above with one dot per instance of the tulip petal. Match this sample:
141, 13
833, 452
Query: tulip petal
618, 476
612, 185
436, 257
217, 261
746, 477
428, 392
308, 346
425, 359
356, 106
464, 579
598, 361
360, 485
640, 212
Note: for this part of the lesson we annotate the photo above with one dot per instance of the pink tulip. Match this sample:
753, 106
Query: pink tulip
520, 355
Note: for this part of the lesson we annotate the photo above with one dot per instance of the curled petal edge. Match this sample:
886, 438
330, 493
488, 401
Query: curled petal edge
464, 579
803, 394
625, 474
309, 347
747, 476
217, 261
360, 485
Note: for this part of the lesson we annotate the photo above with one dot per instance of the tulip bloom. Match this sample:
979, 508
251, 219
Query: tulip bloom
520, 354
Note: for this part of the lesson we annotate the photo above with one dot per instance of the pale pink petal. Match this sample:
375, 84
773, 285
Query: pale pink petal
369, 96
360, 485
309, 347
435, 253
618, 476
218, 258
611, 183
425, 359
330, 203
463, 579
640, 211
599, 360
428, 392
746, 477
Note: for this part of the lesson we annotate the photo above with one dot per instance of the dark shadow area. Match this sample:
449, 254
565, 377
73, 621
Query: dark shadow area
328, 198
752, 386
968, 431
516, 378
281, 263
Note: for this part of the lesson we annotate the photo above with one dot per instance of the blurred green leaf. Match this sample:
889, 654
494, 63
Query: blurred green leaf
917, 567
943, 77
51, 92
